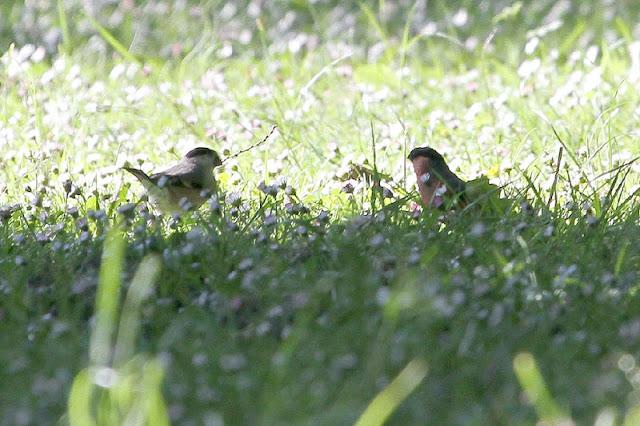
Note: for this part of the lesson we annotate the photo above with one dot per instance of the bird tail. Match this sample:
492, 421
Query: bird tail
140, 175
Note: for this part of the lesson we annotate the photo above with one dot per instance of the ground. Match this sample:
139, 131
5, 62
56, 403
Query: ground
313, 278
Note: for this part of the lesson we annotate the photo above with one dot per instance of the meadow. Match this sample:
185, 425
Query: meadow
313, 288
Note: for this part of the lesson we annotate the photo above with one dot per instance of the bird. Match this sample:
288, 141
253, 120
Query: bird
436, 182
185, 186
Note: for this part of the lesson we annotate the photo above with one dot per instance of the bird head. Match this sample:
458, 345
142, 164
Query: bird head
204, 156
426, 152
433, 175
427, 161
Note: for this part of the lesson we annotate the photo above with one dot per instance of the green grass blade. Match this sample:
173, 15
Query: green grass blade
79, 404
373, 21
140, 288
633, 416
112, 41
508, 12
62, 18
386, 402
156, 407
107, 299
535, 388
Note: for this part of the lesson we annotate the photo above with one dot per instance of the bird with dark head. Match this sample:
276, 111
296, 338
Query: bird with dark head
436, 182
203, 152
184, 186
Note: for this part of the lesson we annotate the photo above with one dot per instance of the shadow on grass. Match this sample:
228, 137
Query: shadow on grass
298, 317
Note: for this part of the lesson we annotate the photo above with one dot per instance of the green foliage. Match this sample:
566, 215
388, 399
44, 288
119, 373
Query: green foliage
119, 387
487, 198
312, 290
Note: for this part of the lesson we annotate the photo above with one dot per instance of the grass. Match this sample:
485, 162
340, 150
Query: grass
302, 293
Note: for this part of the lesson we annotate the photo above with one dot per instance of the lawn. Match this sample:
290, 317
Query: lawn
313, 286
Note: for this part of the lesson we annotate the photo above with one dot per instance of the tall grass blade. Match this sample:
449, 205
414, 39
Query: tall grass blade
373, 21
112, 41
536, 390
386, 402
64, 26
140, 288
79, 405
107, 299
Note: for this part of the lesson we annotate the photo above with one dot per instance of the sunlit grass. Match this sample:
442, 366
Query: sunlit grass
312, 289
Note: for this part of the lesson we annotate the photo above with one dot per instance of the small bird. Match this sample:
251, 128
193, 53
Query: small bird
436, 182
184, 186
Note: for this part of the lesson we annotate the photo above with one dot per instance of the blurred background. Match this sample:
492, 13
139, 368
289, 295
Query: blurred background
173, 29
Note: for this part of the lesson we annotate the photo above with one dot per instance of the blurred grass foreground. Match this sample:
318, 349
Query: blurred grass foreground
118, 387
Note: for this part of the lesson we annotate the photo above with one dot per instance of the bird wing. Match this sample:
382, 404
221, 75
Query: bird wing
450, 179
179, 175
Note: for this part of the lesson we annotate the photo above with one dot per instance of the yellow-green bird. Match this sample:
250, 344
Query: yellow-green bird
184, 186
